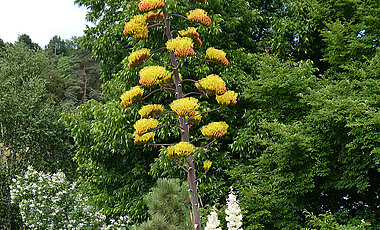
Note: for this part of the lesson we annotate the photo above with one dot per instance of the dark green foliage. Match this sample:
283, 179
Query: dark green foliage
112, 169
25, 39
168, 205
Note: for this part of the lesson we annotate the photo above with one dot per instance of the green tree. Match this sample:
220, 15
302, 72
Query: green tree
24, 38
30, 132
56, 46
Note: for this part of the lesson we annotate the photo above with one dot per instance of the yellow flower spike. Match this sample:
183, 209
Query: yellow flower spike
153, 17
138, 58
148, 5
151, 111
207, 165
185, 106
218, 56
192, 33
212, 84
131, 96
136, 27
151, 75
143, 139
181, 46
215, 129
199, 16
230, 97
145, 125
182, 149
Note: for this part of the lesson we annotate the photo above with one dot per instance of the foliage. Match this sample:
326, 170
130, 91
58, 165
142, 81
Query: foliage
112, 169
50, 201
168, 206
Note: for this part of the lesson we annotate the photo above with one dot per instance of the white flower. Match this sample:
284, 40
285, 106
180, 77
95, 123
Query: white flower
233, 213
213, 221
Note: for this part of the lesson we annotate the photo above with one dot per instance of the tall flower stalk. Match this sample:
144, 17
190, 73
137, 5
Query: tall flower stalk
185, 107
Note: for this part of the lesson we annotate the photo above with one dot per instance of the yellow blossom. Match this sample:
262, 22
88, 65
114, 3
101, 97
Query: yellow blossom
230, 97
148, 5
130, 96
207, 165
143, 139
151, 75
213, 84
199, 16
182, 149
214, 129
181, 46
185, 106
145, 125
192, 33
138, 58
151, 111
136, 27
153, 17
218, 56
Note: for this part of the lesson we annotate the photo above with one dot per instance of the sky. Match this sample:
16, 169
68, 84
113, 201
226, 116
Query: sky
41, 20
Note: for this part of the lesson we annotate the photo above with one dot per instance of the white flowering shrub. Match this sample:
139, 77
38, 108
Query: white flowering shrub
49, 201
233, 215
213, 221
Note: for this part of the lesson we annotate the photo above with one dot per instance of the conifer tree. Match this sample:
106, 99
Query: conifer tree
179, 44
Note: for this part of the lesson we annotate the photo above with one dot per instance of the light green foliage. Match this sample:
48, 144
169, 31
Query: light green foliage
168, 205
113, 169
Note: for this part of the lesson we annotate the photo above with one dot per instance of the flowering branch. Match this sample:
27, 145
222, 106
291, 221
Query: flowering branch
160, 144
162, 48
208, 111
204, 147
206, 60
154, 91
199, 138
204, 173
175, 159
181, 16
197, 93
164, 126
154, 25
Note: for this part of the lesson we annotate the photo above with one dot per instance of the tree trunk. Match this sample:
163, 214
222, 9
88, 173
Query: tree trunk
196, 218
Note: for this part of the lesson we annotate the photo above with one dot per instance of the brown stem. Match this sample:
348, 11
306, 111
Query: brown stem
158, 49
208, 111
180, 165
154, 91
204, 147
204, 173
199, 138
160, 144
197, 93
206, 60
154, 25
181, 16
196, 217
163, 126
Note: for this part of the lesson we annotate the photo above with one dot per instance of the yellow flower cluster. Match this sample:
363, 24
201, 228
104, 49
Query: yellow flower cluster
151, 111
185, 106
218, 56
168, 80
142, 132
136, 27
145, 125
130, 96
182, 149
230, 97
138, 58
143, 139
152, 75
181, 46
199, 16
212, 84
148, 5
153, 17
207, 165
192, 33
215, 129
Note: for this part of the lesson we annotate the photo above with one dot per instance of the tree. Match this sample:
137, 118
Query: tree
24, 38
30, 132
56, 46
